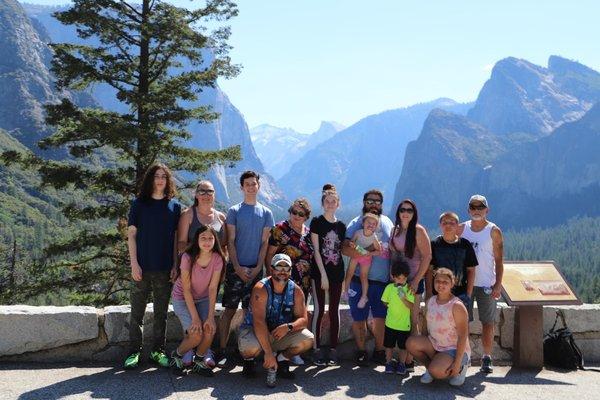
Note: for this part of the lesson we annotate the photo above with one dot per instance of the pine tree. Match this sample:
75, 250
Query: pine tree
157, 58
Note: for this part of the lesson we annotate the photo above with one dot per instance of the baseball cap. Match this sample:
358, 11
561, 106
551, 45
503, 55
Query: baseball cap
480, 198
277, 258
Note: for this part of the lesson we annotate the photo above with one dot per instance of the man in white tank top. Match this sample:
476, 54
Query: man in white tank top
487, 241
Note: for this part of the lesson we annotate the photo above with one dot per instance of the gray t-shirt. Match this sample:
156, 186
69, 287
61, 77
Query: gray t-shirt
249, 221
380, 265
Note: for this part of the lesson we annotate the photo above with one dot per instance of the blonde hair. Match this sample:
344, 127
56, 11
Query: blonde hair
445, 272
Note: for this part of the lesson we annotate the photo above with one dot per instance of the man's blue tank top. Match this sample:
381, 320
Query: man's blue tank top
280, 307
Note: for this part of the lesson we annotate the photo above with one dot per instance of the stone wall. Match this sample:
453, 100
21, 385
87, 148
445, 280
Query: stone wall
58, 334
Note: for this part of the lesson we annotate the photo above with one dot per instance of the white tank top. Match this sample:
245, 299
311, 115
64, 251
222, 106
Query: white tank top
485, 272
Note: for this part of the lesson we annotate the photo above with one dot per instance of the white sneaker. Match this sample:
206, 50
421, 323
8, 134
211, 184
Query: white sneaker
297, 360
459, 379
426, 377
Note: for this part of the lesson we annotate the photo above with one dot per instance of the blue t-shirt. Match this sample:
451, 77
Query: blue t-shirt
380, 265
249, 221
156, 222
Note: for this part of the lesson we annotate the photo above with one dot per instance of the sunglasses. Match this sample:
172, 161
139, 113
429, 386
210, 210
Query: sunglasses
204, 192
478, 208
370, 202
406, 210
298, 213
282, 268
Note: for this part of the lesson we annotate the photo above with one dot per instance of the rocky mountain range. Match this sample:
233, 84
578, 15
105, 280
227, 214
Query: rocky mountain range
280, 148
529, 143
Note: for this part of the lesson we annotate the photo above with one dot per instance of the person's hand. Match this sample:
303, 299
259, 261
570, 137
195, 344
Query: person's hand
242, 273
209, 326
496, 291
173, 274
325, 283
303, 265
414, 286
270, 361
136, 271
196, 326
280, 331
454, 369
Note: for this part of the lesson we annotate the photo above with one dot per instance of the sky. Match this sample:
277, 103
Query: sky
308, 61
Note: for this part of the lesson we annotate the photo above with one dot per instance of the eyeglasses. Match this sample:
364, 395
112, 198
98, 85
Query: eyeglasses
204, 192
282, 268
370, 202
298, 213
478, 208
406, 210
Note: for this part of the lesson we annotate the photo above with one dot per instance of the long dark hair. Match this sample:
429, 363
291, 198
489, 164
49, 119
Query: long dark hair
147, 186
193, 249
411, 231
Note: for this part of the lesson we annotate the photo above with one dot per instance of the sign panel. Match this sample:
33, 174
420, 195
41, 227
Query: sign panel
536, 283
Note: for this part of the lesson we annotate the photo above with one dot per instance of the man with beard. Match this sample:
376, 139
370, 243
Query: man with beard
275, 323
487, 241
379, 276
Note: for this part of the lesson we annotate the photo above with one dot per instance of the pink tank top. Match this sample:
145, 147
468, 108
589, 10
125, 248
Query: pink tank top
441, 325
415, 262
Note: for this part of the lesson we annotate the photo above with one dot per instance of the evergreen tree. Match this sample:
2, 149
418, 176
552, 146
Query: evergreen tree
157, 58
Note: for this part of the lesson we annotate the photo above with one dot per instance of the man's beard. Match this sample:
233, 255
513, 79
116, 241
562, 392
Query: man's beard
279, 279
374, 209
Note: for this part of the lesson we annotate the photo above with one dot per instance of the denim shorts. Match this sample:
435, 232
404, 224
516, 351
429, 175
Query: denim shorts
184, 315
452, 353
375, 305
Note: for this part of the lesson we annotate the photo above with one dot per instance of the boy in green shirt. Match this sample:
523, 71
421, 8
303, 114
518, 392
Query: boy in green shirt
398, 298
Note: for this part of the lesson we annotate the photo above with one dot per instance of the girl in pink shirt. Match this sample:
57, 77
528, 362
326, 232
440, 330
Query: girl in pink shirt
194, 297
444, 350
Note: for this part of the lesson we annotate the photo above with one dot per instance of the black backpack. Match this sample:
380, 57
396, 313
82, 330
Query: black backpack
560, 349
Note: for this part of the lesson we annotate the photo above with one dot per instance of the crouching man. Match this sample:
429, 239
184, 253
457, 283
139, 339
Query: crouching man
275, 323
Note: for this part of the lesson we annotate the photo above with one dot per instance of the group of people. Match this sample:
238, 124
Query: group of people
273, 268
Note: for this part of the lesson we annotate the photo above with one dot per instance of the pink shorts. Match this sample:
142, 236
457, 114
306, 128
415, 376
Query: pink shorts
364, 260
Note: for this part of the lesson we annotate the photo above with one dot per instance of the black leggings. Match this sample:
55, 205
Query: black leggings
335, 291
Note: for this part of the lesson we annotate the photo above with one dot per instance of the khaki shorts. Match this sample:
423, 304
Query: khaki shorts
247, 340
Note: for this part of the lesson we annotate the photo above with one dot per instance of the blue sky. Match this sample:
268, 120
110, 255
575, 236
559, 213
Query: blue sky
307, 61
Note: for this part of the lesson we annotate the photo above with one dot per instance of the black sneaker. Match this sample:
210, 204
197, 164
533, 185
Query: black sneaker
222, 358
248, 371
486, 365
361, 358
319, 357
379, 357
333, 358
410, 367
283, 370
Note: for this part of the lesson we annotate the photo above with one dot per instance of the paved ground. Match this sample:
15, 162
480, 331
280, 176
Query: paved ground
34, 381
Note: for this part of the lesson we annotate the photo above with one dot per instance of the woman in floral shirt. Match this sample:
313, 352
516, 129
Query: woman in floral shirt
292, 237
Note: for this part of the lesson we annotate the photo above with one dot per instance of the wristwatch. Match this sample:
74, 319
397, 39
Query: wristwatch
290, 327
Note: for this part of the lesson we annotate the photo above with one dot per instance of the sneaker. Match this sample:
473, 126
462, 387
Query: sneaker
188, 358
248, 370
297, 360
379, 357
201, 368
426, 377
132, 360
362, 302
283, 370
271, 377
159, 358
486, 365
209, 359
361, 358
221, 359
176, 360
390, 367
459, 379
400, 368
333, 358
410, 367
319, 357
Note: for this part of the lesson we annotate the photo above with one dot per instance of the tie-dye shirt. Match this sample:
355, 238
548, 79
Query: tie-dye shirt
441, 325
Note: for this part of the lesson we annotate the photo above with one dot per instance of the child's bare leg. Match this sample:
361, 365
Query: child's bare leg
349, 274
389, 353
364, 283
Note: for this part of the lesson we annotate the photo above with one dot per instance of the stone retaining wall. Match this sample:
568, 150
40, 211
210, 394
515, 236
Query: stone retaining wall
58, 334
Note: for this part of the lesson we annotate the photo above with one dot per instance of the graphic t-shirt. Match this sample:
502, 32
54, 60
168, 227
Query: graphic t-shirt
331, 235
156, 222
249, 221
200, 276
296, 245
398, 315
457, 257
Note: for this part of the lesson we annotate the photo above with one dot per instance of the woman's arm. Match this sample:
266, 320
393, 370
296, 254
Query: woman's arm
319, 261
182, 230
424, 246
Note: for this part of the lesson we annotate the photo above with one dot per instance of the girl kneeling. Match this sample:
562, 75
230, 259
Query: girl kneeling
194, 298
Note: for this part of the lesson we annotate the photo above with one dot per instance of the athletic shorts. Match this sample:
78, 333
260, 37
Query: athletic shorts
393, 337
248, 342
374, 305
486, 305
236, 290
184, 315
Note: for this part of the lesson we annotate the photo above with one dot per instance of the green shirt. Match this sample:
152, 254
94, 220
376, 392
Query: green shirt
398, 315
